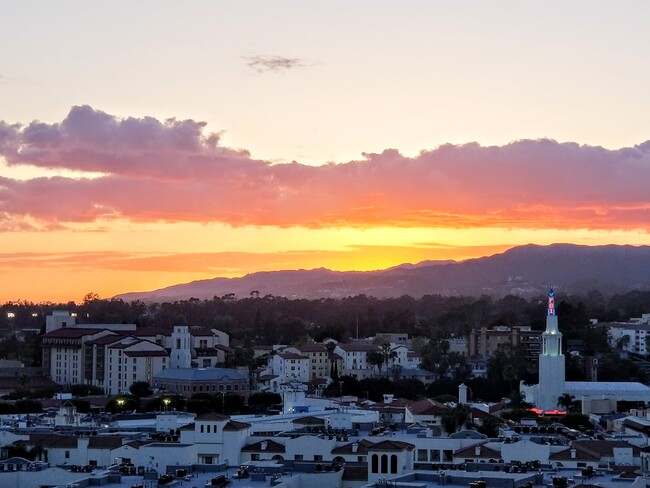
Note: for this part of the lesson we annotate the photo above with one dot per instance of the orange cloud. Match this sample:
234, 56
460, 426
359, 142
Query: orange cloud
173, 171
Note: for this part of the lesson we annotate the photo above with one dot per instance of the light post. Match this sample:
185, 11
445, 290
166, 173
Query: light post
166, 403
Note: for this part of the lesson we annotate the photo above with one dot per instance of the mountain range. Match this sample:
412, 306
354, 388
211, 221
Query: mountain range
524, 270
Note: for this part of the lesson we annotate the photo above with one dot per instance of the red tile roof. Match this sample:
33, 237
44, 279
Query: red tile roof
355, 473
391, 446
234, 425
71, 333
271, 446
359, 347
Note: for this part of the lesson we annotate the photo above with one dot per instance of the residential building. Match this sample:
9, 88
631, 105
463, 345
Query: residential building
632, 337
320, 362
354, 358
484, 342
113, 356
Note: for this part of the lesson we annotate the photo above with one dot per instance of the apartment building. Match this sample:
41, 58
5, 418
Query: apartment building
354, 359
93, 354
484, 342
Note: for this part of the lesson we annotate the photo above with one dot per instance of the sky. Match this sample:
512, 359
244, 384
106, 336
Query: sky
145, 144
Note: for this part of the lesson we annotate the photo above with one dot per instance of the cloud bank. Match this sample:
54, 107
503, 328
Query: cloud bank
174, 170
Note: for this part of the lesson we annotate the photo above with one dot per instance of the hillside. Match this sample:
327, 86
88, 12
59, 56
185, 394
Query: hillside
524, 270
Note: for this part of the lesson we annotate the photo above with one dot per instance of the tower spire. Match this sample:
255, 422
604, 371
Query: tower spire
551, 301
551, 360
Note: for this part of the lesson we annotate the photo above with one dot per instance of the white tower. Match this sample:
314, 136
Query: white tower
462, 393
181, 355
551, 360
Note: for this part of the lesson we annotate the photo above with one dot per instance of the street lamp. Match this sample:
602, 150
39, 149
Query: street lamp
166, 402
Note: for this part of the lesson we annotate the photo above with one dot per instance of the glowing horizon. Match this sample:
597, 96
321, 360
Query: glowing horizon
282, 135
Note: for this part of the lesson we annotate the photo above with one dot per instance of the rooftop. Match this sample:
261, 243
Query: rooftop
200, 374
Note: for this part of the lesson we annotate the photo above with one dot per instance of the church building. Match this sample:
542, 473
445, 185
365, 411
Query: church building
596, 396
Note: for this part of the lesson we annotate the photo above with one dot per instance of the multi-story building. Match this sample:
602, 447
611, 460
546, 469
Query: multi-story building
208, 347
290, 366
188, 381
484, 342
114, 362
114, 356
632, 337
131, 359
64, 353
320, 363
354, 358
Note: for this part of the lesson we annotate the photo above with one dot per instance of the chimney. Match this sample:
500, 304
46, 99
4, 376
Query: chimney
264, 445
355, 447
388, 397
477, 450
573, 453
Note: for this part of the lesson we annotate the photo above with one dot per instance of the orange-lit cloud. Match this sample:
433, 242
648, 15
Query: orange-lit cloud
174, 171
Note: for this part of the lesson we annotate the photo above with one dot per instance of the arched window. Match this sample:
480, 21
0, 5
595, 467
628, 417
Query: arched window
384, 463
374, 468
393, 464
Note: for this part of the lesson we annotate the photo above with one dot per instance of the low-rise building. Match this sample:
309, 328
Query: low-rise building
188, 381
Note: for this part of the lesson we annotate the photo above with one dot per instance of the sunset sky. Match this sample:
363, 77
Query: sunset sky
145, 144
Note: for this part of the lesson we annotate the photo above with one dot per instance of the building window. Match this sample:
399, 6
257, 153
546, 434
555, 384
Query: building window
255, 457
374, 468
384, 463
297, 457
67, 454
318, 457
393, 464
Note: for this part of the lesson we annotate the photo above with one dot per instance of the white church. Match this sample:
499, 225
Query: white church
595, 396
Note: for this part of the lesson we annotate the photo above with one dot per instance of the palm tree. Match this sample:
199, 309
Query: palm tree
385, 350
330, 347
567, 401
518, 401
375, 358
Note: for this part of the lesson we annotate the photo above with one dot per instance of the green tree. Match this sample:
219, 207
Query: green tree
140, 389
456, 419
375, 358
264, 399
330, 347
568, 402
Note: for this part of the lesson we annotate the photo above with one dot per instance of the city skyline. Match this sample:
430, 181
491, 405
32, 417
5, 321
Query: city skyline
142, 147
